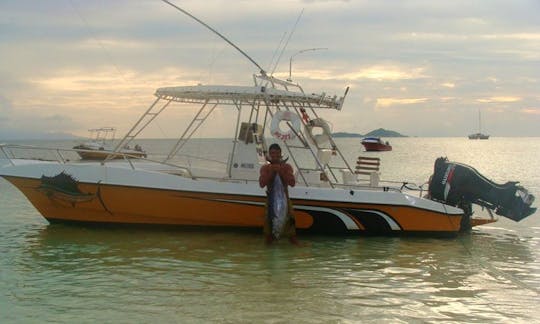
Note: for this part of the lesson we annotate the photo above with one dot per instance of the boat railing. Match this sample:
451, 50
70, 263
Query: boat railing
385, 185
366, 186
407, 186
358, 186
14, 152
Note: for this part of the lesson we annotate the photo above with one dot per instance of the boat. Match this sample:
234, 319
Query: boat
376, 144
331, 196
479, 135
99, 147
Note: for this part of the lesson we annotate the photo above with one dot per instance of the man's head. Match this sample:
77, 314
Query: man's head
274, 151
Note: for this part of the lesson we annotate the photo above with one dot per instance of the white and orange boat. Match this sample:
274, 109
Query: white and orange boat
329, 198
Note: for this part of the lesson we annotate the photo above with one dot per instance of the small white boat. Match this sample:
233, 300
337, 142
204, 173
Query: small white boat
100, 146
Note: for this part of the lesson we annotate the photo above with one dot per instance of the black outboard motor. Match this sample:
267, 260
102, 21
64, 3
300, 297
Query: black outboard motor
460, 185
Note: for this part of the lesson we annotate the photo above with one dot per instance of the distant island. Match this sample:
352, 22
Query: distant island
345, 134
23, 134
381, 132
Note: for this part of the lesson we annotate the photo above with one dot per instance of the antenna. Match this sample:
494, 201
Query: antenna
275, 54
217, 33
288, 39
299, 52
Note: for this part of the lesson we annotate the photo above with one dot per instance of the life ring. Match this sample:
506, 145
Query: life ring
292, 118
319, 138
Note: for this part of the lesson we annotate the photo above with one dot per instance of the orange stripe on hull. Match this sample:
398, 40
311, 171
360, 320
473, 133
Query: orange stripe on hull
117, 204
134, 205
412, 219
409, 218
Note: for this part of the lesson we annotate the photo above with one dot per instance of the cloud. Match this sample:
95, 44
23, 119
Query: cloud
531, 111
5, 110
375, 73
386, 102
499, 99
88, 59
5, 104
515, 36
385, 73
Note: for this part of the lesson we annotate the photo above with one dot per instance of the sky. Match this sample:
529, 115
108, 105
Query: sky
420, 67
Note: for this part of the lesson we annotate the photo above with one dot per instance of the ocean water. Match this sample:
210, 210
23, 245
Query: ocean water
76, 274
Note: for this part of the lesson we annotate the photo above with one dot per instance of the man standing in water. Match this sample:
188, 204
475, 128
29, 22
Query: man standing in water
268, 174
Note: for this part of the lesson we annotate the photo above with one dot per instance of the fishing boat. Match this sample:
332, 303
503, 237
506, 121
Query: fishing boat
479, 135
330, 196
100, 146
375, 144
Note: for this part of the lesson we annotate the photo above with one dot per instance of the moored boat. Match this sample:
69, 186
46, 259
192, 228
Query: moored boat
330, 196
99, 147
376, 144
479, 135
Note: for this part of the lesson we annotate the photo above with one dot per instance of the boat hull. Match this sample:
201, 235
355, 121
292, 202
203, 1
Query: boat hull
371, 147
102, 155
175, 200
478, 136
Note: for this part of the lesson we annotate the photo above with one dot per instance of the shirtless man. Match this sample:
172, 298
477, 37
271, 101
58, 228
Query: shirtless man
268, 173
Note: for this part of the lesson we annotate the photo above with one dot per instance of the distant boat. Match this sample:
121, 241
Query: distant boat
479, 135
376, 144
100, 146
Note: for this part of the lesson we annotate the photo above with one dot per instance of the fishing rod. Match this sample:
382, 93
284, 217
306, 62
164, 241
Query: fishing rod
262, 71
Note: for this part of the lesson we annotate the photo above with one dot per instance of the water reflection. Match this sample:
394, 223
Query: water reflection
205, 275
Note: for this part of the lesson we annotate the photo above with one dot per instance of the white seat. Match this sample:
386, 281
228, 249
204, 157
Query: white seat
369, 166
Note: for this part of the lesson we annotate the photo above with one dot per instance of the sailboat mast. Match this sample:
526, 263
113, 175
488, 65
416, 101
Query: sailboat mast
479, 121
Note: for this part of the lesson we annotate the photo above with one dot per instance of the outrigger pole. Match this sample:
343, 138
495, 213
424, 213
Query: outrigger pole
262, 71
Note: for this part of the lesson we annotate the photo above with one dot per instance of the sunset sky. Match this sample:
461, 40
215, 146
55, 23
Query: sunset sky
419, 67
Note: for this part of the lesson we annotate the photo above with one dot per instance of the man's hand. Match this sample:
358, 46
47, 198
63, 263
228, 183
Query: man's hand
275, 167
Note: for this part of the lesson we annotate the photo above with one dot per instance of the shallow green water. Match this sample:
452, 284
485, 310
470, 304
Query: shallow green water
61, 273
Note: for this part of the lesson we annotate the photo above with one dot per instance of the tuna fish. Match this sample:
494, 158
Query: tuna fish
277, 207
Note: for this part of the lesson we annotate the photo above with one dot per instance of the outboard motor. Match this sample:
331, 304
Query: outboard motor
460, 185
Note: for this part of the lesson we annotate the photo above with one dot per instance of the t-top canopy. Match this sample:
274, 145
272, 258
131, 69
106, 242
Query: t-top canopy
251, 94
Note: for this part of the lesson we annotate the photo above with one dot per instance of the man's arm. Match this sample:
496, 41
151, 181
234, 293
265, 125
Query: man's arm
265, 175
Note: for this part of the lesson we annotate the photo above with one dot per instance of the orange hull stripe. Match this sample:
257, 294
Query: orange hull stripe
120, 204
117, 204
409, 218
